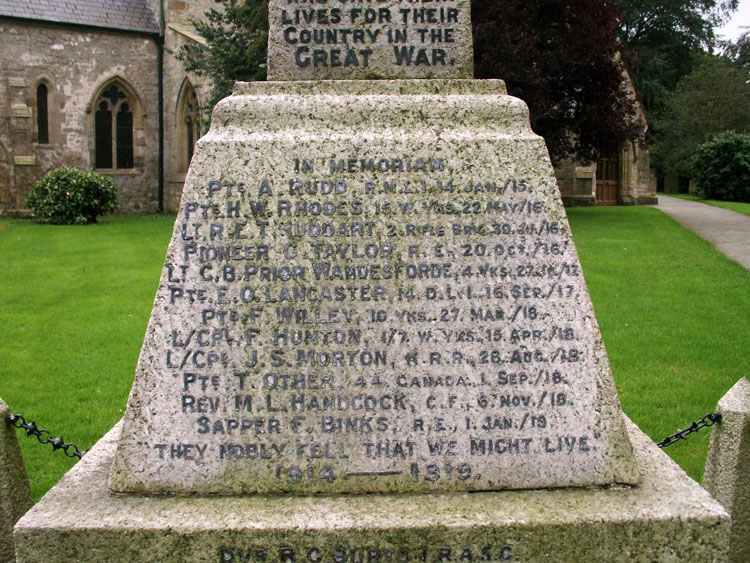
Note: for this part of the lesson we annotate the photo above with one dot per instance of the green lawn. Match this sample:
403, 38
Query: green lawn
738, 206
674, 317
76, 302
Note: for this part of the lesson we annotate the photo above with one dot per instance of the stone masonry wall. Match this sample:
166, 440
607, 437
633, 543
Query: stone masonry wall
178, 15
577, 183
74, 63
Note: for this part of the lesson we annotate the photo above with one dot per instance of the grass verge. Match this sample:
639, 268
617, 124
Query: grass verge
673, 313
76, 301
738, 206
75, 304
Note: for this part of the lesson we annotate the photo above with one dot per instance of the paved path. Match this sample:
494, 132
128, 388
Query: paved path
728, 230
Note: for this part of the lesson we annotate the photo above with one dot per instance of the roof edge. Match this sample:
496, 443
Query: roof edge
154, 33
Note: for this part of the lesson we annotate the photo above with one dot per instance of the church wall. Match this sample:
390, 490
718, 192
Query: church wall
576, 183
637, 183
178, 15
74, 63
183, 11
176, 81
645, 187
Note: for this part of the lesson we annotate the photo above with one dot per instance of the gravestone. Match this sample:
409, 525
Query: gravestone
371, 287
372, 308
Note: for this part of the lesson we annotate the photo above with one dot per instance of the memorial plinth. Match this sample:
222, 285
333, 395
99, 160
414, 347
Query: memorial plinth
667, 518
371, 287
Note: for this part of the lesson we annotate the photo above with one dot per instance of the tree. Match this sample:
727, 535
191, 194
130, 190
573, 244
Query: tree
721, 167
560, 56
236, 36
739, 51
715, 97
665, 40
563, 59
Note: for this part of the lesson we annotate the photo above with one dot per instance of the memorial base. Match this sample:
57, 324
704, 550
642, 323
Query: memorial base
668, 517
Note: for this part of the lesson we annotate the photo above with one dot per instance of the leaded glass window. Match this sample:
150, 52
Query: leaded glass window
42, 123
124, 139
190, 138
103, 132
113, 124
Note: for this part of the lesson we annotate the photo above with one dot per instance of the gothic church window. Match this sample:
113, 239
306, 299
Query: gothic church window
42, 121
113, 130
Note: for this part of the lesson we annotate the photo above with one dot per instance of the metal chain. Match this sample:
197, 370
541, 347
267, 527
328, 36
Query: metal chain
709, 420
72, 450
45, 436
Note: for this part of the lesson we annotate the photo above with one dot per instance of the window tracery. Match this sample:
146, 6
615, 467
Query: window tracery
113, 130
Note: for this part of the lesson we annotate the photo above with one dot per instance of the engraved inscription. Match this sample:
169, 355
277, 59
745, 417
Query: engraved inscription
361, 315
381, 39
336, 323
370, 554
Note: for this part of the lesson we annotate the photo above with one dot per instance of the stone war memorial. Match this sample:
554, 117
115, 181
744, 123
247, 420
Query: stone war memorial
372, 340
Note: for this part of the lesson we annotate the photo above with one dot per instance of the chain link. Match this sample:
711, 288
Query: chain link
709, 420
44, 436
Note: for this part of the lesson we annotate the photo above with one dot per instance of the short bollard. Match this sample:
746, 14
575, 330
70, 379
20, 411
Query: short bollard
727, 476
15, 498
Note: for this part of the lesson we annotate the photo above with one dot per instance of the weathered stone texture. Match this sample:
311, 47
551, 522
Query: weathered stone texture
183, 11
645, 191
177, 24
342, 40
502, 355
637, 180
5, 181
15, 498
75, 63
667, 519
727, 475
577, 183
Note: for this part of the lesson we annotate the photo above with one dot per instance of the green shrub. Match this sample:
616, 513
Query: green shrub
721, 167
72, 196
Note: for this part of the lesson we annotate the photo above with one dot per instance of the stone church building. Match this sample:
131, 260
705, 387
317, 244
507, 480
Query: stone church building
95, 84
620, 178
